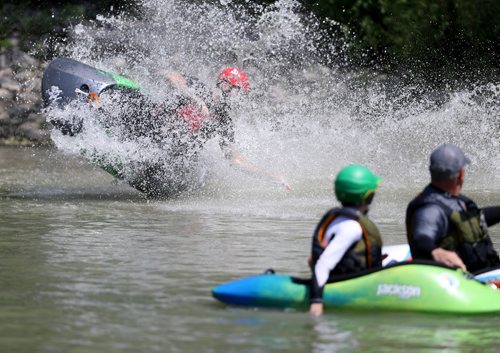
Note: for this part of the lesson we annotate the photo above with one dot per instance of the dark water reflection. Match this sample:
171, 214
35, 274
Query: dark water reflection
88, 265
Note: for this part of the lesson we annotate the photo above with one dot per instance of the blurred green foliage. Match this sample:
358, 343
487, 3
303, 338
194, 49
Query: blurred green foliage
29, 21
420, 34
427, 33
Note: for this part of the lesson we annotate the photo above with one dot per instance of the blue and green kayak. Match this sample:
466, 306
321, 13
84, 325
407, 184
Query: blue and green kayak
410, 286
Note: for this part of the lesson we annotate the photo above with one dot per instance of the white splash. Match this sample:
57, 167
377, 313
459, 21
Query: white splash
305, 117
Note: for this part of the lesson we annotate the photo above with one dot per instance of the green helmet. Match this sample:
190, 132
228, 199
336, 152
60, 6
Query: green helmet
355, 183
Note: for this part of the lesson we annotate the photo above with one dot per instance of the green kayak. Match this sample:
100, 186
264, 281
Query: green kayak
412, 286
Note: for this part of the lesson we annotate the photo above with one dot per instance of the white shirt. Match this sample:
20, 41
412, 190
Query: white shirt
347, 232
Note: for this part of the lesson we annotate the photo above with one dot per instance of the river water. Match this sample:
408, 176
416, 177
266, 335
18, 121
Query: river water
88, 264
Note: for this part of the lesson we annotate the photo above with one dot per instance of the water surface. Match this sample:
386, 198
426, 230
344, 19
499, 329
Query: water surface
90, 265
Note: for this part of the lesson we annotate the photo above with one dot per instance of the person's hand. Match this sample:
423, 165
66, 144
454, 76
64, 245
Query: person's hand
449, 258
316, 309
201, 105
282, 182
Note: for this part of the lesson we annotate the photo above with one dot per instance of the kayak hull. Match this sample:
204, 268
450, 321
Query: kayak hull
404, 287
66, 80
72, 78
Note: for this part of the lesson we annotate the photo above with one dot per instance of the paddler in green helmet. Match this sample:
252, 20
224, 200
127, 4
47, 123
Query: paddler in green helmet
345, 240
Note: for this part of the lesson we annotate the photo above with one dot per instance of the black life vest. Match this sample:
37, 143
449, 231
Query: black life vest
467, 232
364, 254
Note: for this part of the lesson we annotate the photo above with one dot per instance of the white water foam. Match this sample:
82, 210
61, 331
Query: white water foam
306, 116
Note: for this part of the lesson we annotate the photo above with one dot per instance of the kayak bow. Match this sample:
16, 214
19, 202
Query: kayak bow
72, 78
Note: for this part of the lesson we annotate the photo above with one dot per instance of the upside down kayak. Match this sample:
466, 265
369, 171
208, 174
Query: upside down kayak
410, 286
154, 169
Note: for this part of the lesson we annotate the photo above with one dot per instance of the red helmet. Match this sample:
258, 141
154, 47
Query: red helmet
235, 77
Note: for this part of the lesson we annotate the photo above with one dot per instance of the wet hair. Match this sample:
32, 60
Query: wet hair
368, 201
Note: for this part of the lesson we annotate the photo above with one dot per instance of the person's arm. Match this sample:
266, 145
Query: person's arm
241, 162
429, 224
491, 215
346, 234
449, 258
231, 153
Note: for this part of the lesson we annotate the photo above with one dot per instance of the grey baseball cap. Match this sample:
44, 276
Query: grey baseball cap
447, 160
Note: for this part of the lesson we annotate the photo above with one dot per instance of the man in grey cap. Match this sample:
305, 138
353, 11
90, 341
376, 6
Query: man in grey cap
444, 226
